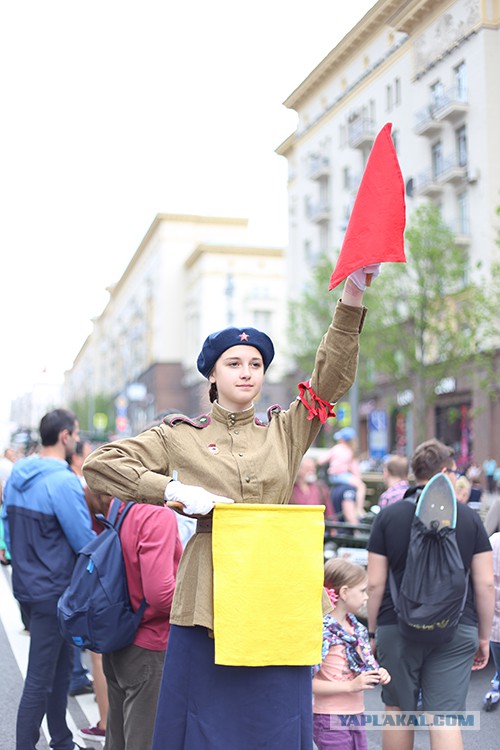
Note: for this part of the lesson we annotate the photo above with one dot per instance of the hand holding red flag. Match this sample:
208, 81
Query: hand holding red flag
375, 233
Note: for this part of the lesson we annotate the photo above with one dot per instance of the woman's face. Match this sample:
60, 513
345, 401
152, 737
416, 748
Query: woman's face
238, 374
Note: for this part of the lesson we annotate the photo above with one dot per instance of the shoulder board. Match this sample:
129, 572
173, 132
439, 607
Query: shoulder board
271, 412
199, 422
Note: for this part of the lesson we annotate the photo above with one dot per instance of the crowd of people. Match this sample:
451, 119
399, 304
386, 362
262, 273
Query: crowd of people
167, 688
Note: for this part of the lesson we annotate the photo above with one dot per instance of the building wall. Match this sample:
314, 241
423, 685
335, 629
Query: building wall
173, 293
431, 69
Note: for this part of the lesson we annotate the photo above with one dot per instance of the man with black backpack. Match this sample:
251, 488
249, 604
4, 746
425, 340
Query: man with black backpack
430, 661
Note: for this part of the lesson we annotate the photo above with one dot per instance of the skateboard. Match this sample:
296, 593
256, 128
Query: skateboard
437, 505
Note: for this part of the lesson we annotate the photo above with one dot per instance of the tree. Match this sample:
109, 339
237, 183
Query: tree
427, 317
432, 315
88, 405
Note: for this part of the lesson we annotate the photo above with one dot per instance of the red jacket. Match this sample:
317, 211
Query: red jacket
151, 550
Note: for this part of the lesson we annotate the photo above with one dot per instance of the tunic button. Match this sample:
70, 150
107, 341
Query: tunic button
240, 455
236, 432
247, 479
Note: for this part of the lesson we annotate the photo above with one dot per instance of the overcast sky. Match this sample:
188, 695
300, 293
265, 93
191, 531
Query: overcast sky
115, 111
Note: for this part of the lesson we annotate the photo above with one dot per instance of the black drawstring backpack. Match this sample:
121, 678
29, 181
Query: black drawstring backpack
433, 590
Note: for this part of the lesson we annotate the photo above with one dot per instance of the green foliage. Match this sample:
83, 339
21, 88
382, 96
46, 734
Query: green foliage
426, 318
433, 315
87, 406
430, 311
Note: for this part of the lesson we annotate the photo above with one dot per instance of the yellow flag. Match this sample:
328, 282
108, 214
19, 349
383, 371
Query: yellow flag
268, 582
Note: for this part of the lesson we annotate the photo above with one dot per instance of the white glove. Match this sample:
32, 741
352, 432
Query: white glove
195, 500
359, 277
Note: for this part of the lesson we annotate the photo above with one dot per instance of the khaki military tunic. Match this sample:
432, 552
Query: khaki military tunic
229, 454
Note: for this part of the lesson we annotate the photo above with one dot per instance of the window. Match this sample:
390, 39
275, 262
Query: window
461, 141
307, 206
388, 98
437, 159
372, 111
437, 94
323, 238
395, 140
324, 192
397, 91
461, 81
346, 175
463, 214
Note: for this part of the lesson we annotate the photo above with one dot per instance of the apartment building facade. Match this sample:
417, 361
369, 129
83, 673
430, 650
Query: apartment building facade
191, 275
430, 67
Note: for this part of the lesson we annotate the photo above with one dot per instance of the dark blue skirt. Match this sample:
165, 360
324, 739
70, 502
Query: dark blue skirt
204, 706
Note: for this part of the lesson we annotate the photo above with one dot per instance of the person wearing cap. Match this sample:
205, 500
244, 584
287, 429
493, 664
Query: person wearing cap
230, 456
344, 474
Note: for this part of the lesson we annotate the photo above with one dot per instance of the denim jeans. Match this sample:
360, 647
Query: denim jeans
47, 680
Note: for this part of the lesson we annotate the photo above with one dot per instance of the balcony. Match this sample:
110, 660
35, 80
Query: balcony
361, 133
452, 172
319, 167
319, 213
450, 105
461, 232
426, 124
428, 184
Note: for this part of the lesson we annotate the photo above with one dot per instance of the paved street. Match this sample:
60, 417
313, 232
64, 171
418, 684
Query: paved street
485, 739
83, 710
14, 645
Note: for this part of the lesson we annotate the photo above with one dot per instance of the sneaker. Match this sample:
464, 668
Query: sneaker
94, 734
491, 699
82, 690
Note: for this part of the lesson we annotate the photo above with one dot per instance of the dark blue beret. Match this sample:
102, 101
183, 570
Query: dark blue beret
217, 343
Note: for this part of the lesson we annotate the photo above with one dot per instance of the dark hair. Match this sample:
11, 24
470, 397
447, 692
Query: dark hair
53, 423
213, 393
430, 458
81, 445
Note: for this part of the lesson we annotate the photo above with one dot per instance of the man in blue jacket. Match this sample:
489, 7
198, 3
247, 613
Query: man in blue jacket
46, 523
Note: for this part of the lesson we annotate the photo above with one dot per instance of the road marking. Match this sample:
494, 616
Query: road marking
19, 643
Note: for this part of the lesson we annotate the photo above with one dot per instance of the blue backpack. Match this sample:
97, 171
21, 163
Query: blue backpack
94, 611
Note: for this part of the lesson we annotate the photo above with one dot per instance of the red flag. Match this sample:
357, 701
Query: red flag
375, 233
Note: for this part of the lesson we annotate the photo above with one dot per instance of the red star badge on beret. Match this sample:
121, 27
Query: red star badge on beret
243, 337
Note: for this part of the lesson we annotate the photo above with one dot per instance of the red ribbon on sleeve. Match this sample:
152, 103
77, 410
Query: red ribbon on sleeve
317, 408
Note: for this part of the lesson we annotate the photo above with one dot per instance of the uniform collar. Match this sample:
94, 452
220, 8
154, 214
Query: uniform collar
232, 418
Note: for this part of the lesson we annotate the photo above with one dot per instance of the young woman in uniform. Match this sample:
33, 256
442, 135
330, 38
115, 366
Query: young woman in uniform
229, 456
